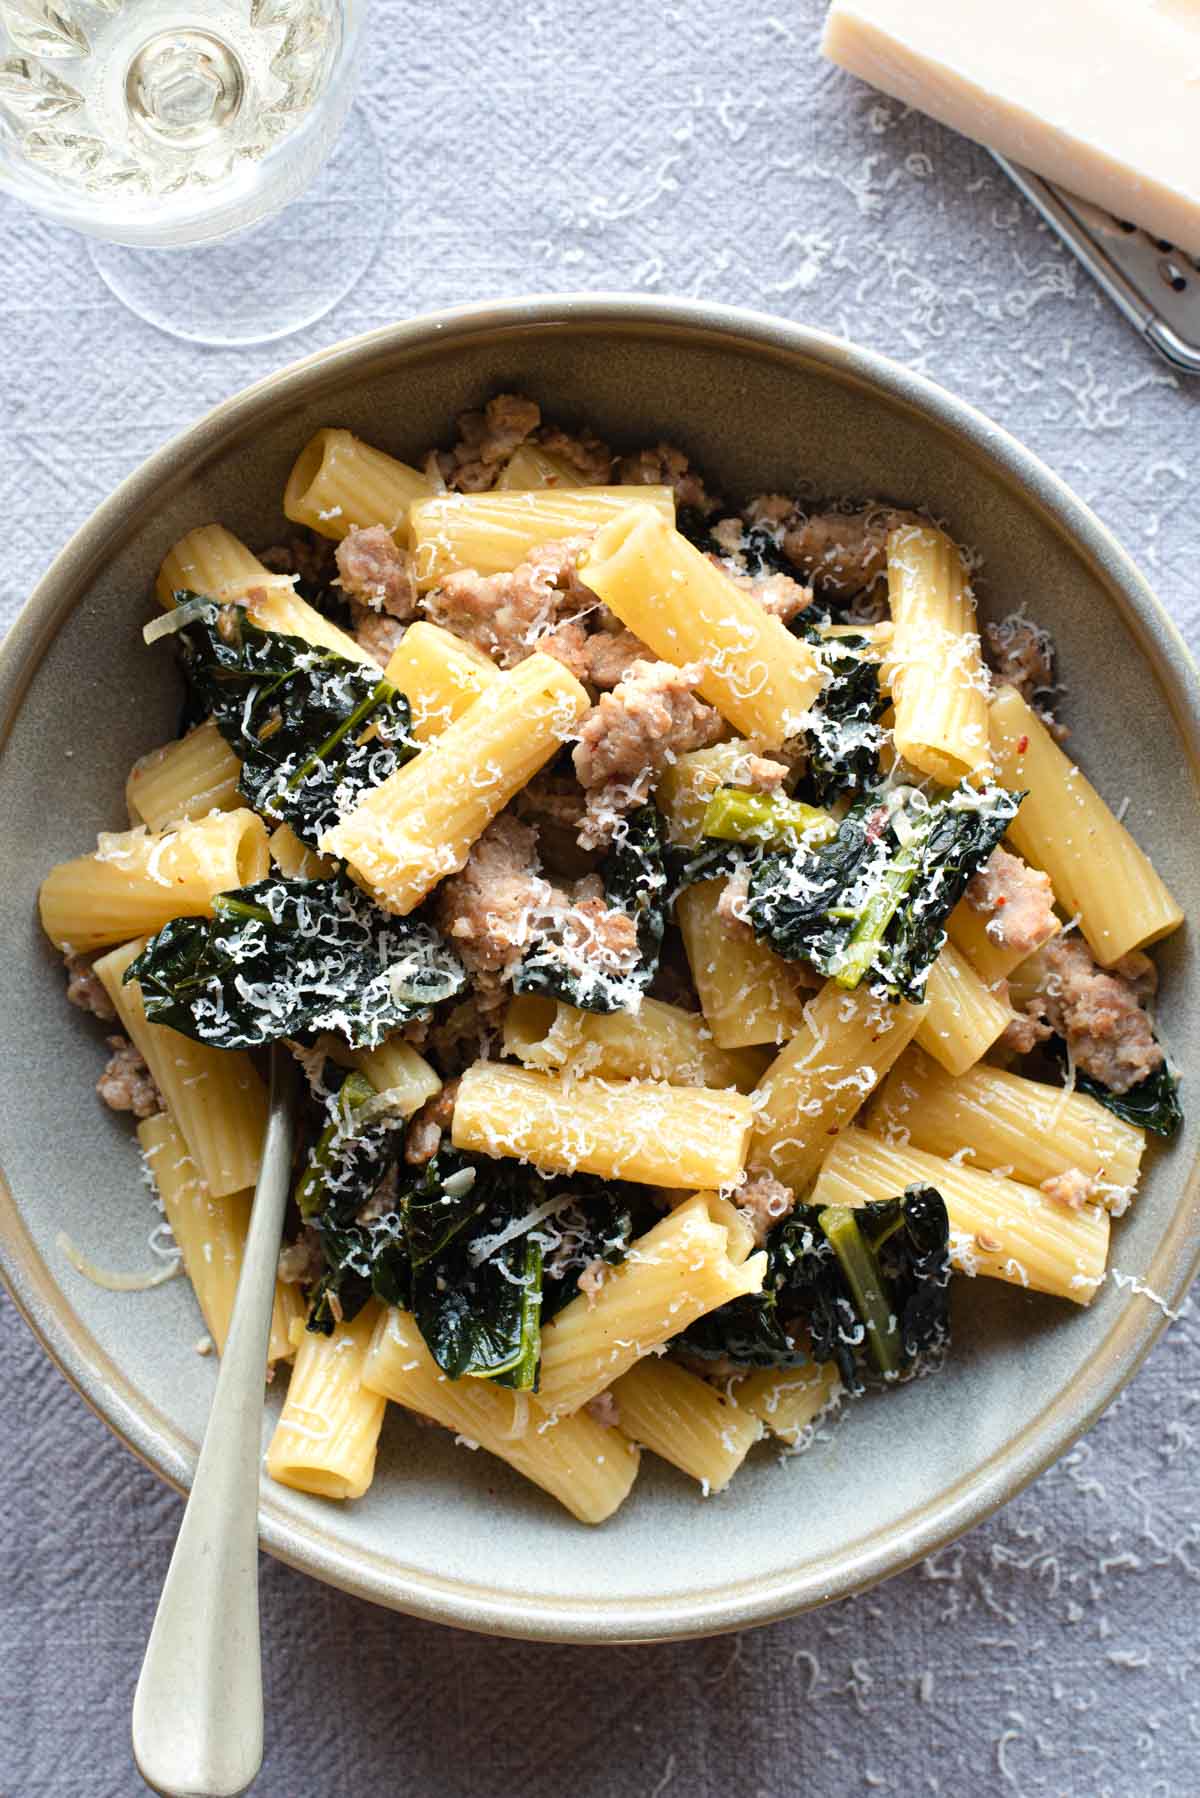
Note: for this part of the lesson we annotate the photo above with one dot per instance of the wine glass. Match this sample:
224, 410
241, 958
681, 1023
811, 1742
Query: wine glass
175, 132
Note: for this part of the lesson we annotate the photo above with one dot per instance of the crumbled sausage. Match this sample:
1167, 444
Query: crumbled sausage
86, 989
609, 655
423, 1137
603, 1409
665, 466
1098, 1011
303, 554
510, 615
490, 910
486, 441
760, 774
1024, 1032
626, 741
375, 570
732, 904
591, 458
1073, 1188
126, 1083
844, 553
1019, 899
300, 1263
765, 1201
592, 932
781, 596
376, 632
592, 1279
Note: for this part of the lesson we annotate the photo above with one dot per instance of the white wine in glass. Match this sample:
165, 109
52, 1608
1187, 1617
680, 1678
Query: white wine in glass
169, 130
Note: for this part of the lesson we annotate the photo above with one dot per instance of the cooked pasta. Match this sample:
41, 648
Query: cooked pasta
584, 1465
696, 1259
675, 1016
211, 1234
139, 880
328, 1430
998, 1226
340, 483
183, 780
1100, 875
639, 1130
818, 1081
408, 834
994, 1119
684, 1420
657, 1042
758, 676
492, 533
937, 679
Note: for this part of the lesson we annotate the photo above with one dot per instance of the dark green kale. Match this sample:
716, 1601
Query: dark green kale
869, 1285
1153, 1104
634, 878
347, 1195
871, 904
295, 714
290, 958
494, 1250
843, 735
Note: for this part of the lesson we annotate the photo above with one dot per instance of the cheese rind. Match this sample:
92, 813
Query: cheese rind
1100, 96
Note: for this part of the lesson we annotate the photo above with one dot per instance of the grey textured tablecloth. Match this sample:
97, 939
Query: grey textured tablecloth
701, 149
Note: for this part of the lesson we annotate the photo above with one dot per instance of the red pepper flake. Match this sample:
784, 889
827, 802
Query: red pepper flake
1022, 745
1001, 899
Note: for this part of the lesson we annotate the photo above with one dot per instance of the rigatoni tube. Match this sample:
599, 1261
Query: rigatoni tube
813, 1088
640, 1130
997, 1226
1064, 827
439, 674
339, 483
211, 1234
494, 532
186, 779
657, 1042
419, 825
759, 677
963, 1017
586, 1466
938, 685
990, 1118
696, 1258
215, 1096
328, 1430
748, 994
686, 1421
212, 562
788, 1400
139, 880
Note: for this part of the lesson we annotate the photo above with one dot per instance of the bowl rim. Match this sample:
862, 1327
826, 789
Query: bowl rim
1068, 1412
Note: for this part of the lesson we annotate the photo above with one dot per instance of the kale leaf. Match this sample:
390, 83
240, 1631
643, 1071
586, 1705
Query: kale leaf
634, 878
290, 958
1153, 1104
872, 903
295, 714
842, 735
869, 1285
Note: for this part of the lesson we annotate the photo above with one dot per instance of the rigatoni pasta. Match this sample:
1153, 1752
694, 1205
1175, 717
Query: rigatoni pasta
420, 824
493, 533
183, 780
440, 676
139, 880
696, 1259
328, 1431
639, 1130
748, 995
937, 679
963, 1017
657, 1042
684, 1420
339, 483
586, 1466
1100, 875
659, 585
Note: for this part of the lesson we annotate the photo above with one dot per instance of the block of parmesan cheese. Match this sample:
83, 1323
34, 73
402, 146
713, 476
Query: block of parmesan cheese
1101, 96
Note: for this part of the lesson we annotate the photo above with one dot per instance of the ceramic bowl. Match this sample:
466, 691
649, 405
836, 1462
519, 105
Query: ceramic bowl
443, 1533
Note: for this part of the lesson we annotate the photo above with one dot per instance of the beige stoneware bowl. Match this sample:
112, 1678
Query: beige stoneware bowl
443, 1533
